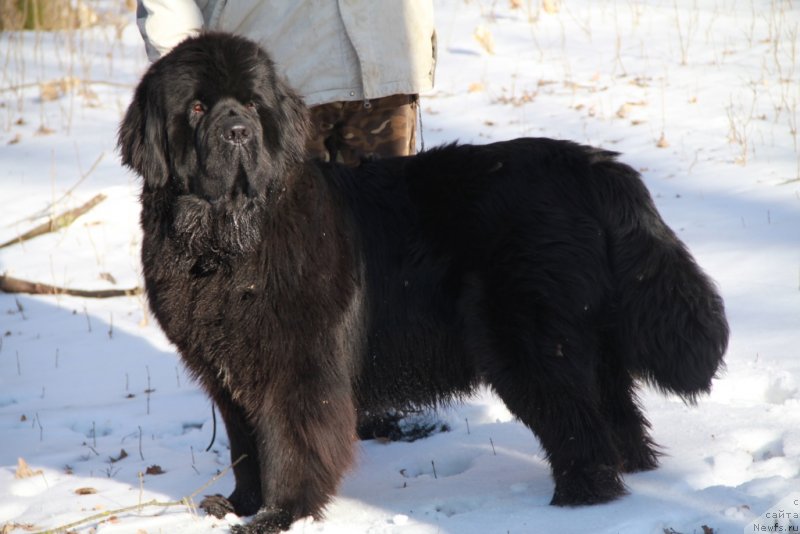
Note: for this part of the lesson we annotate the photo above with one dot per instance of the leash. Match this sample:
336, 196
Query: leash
419, 123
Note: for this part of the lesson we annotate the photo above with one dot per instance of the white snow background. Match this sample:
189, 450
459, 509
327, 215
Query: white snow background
700, 95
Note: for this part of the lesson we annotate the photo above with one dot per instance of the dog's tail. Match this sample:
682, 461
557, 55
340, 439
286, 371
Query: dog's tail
670, 323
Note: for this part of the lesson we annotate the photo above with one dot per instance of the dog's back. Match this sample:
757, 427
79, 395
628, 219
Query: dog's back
580, 229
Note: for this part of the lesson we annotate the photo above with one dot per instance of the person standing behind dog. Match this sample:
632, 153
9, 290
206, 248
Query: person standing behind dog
358, 64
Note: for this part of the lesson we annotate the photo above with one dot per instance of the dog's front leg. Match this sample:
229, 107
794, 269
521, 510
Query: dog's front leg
246, 497
305, 438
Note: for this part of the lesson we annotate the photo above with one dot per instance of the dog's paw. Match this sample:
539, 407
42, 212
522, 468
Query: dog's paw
265, 522
399, 426
588, 486
644, 458
217, 505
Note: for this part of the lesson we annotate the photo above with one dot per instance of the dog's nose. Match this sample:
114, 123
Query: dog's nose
236, 133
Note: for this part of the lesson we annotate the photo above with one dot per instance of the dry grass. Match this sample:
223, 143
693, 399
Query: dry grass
45, 15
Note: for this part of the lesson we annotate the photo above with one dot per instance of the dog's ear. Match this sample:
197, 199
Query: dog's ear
141, 139
286, 122
296, 122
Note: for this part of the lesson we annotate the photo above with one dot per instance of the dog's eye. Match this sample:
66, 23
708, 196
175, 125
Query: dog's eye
198, 108
251, 105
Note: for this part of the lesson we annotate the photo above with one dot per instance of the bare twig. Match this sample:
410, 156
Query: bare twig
185, 501
140, 444
47, 209
57, 222
33, 85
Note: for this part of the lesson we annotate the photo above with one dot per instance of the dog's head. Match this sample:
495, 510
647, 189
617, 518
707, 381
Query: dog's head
215, 134
212, 119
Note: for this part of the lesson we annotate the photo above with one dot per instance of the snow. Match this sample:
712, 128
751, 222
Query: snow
701, 97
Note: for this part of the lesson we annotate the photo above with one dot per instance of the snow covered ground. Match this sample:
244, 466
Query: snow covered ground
700, 95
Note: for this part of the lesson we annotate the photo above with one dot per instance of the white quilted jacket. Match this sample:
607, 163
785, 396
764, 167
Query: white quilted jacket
328, 50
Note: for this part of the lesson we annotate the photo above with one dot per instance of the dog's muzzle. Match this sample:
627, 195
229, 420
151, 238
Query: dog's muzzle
235, 131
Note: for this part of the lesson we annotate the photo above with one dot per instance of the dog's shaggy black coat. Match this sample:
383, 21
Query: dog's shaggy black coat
302, 294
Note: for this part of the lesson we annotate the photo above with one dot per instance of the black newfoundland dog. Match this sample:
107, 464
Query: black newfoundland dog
302, 294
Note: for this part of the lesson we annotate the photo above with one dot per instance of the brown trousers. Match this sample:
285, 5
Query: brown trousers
349, 132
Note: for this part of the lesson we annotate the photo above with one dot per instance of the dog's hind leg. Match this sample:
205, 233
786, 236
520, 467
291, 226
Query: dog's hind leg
627, 422
557, 401
542, 365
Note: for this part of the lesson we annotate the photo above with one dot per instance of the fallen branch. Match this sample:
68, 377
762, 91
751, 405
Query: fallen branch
187, 501
56, 223
9, 284
43, 212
